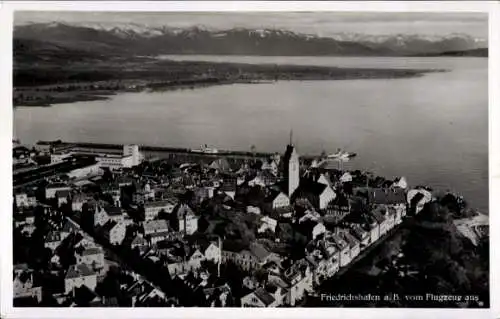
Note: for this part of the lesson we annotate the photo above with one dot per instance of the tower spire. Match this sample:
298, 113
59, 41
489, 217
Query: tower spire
291, 137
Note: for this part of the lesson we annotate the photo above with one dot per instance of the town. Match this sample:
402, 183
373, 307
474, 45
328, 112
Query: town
100, 228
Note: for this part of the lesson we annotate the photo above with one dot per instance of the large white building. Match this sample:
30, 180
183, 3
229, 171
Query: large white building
130, 157
133, 150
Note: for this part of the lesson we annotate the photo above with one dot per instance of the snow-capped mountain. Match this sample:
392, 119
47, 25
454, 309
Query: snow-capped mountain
132, 38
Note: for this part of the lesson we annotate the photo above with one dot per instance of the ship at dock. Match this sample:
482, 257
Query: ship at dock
204, 149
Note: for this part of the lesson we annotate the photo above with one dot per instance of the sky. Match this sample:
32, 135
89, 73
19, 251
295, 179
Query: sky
319, 23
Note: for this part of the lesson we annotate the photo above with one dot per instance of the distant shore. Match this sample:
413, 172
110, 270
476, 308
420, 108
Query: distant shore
87, 82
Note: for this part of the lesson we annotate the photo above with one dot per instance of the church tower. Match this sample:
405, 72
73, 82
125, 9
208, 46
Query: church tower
291, 168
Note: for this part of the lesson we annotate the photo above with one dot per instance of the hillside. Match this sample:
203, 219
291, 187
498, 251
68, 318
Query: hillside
130, 40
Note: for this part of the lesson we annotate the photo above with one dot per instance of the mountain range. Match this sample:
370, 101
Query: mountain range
94, 40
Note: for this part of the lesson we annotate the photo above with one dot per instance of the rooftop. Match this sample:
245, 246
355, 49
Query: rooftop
264, 296
81, 270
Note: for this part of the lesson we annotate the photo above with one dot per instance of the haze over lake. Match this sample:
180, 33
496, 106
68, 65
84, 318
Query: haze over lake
432, 129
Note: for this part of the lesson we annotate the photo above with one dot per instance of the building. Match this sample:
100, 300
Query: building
395, 197
343, 247
139, 242
54, 239
106, 213
155, 226
114, 232
114, 162
318, 194
51, 189
133, 151
247, 258
185, 220
114, 192
361, 235
229, 188
85, 172
25, 199
299, 277
267, 224
354, 244
373, 227
63, 197
77, 202
338, 208
60, 157
258, 298
91, 256
152, 209
79, 275
417, 198
24, 285
291, 169
276, 199
311, 229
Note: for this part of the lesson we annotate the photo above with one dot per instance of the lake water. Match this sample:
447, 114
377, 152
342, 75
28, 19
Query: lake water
431, 129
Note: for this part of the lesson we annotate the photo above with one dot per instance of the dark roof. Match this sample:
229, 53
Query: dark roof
68, 227
307, 226
183, 210
264, 296
161, 203
91, 251
108, 226
233, 246
113, 210
53, 236
378, 216
306, 186
63, 193
229, 186
80, 270
220, 164
273, 193
340, 200
417, 198
57, 185
389, 196
258, 250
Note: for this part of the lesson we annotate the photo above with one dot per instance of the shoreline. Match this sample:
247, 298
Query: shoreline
79, 82
152, 151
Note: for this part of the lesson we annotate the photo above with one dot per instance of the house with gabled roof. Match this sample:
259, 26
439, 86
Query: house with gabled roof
114, 232
258, 298
54, 239
105, 213
342, 246
91, 256
79, 275
276, 199
25, 285
318, 194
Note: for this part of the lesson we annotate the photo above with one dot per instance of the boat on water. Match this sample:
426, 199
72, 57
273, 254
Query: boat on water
206, 150
341, 155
